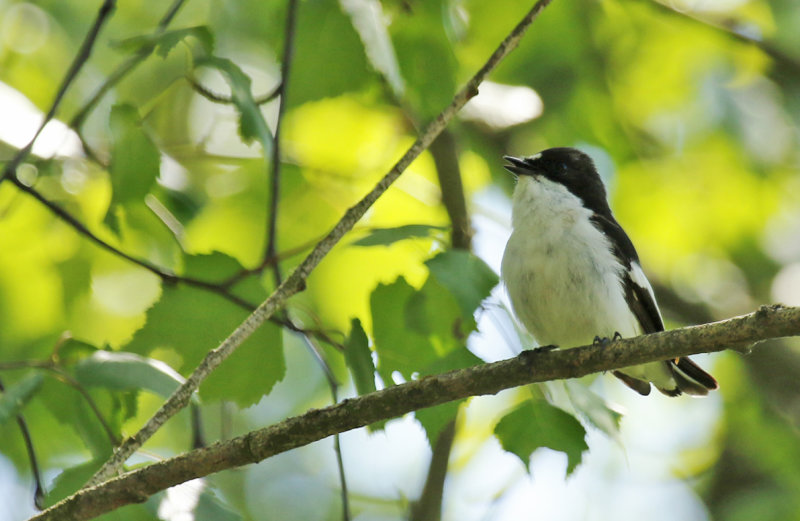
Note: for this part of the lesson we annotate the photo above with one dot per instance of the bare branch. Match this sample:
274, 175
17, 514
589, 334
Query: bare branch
296, 281
529, 367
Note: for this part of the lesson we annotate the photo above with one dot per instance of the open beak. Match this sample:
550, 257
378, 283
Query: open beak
517, 166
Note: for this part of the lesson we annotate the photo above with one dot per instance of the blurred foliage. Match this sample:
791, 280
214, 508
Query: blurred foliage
689, 108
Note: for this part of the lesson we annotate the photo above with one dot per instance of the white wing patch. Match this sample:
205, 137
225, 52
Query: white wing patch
640, 279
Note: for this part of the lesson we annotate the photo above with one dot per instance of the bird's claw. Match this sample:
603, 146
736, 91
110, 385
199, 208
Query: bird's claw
604, 341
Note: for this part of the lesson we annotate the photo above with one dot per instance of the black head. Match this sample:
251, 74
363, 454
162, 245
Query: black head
569, 167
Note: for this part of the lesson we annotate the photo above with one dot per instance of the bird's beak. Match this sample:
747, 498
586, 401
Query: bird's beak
517, 166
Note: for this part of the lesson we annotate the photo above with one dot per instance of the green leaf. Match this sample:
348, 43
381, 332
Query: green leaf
251, 122
359, 358
468, 278
69, 408
163, 43
537, 424
134, 163
368, 20
461, 358
387, 236
193, 321
122, 371
434, 313
434, 419
326, 41
17, 395
214, 267
426, 58
399, 347
70, 480
168, 40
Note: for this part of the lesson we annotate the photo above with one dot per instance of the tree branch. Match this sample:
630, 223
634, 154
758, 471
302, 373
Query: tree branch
527, 368
296, 281
275, 180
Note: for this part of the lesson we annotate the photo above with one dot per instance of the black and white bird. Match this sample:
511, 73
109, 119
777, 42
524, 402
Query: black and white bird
572, 273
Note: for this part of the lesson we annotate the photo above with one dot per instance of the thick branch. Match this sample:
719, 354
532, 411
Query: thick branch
529, 367
296, 281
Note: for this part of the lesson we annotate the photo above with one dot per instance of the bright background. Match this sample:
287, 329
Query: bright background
689, 108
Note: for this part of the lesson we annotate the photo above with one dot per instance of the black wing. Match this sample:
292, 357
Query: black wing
640, 300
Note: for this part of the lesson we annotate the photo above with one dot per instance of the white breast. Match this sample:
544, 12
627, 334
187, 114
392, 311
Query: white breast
561, 275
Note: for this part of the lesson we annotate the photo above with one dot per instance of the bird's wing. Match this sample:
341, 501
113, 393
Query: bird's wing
638, 292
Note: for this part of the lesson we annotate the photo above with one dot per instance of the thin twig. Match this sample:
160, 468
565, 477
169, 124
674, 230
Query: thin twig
275, 180
529, 367
166, 276
270, 250
296, 281
227, 100
80, 60
72, 382
83, 230
333, 385
222, 289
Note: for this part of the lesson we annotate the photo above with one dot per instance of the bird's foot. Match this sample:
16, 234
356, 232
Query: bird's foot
604, 341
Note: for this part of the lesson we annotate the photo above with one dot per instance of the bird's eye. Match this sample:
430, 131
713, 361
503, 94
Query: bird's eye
564, 167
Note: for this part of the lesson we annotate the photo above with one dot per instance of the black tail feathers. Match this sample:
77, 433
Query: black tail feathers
690, 378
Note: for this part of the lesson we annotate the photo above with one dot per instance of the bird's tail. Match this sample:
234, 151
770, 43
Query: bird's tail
673, 378
690, 378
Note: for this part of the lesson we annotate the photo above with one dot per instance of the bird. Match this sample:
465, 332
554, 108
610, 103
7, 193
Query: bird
573, 275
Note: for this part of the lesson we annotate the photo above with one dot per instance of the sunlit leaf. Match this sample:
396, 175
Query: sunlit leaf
359, 358
387, 236
14, 398
537, 424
